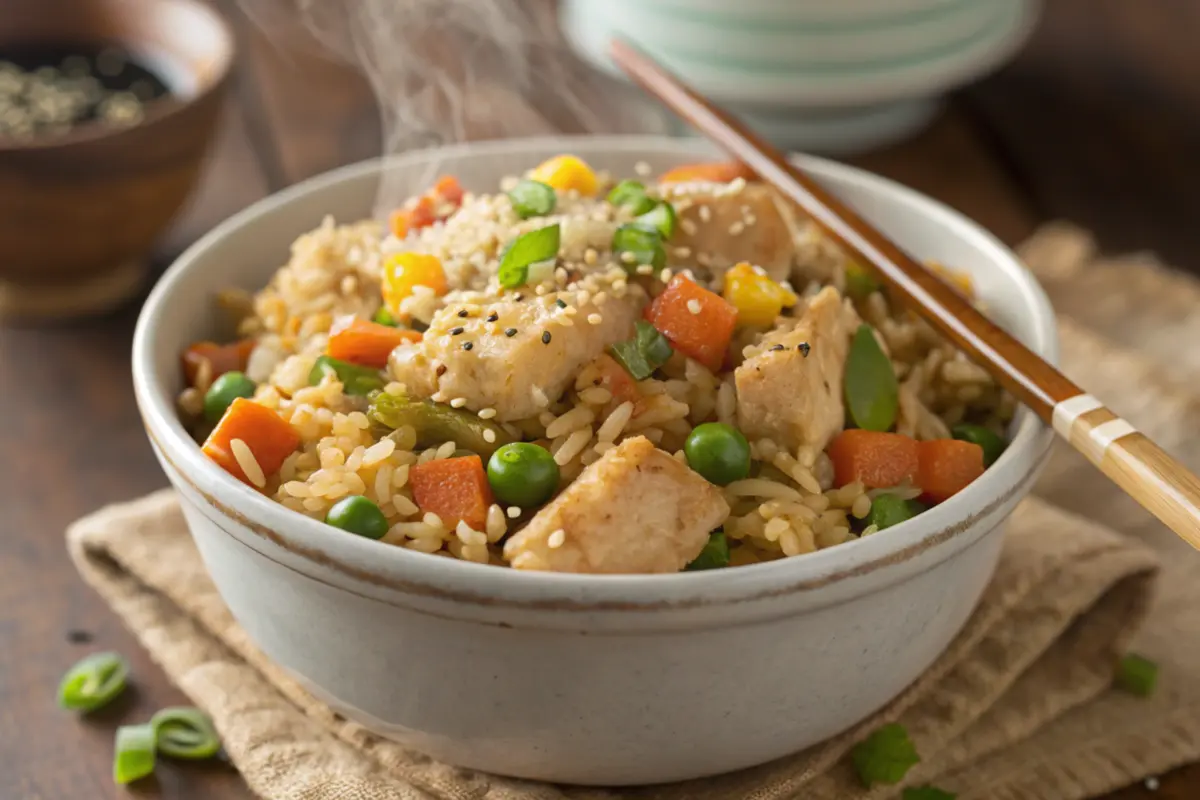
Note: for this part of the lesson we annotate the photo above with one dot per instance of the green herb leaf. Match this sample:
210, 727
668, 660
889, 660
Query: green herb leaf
1137, 675
653, 346
871, 391
661, 217
926, 793
356, 380
185, 732
133, 756
528, 248
885, 756
714, 555
533, 199
629, 357
631, 194
643, 244
93, 682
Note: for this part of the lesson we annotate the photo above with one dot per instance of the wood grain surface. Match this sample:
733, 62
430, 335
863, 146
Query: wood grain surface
1096, 121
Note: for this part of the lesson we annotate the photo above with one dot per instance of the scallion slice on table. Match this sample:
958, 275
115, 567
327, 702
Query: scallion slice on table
533, 199
133, 755
646, 352
528, 248
635, 243
185, 732
356, 380
872, 392
93, 682
1137, 675
926, 793
885, 756
714, 555
661, 217
631, 195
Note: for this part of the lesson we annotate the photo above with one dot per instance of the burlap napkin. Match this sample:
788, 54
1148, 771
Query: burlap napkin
1019, 707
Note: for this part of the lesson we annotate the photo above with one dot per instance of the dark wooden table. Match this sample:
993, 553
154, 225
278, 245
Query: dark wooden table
1098, 121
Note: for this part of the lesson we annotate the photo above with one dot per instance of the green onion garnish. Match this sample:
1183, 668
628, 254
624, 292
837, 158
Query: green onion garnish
646, 352
528, 248
661, 217
93, 682
633, 195
185, 732
385, 317
1137, 675
926, 793
532, 199
714, 555
643, 243
885, 756
134, 753
356, 380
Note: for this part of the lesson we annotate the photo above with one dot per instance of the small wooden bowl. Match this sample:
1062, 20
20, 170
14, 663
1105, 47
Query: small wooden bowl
80, 212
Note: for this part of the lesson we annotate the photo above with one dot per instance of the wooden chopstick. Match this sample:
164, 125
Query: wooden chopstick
1141, 468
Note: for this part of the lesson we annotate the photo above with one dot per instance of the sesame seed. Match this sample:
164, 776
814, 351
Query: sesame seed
693, 306
486, 413
556, 539
458, 402
511, 332
545, 337
645, 269
777, 348
704, 259
463, 313
683, 252
540, 291
705, 213
467, 345
751, 219
456, 331
590, 256
688, 226
489, 435
804, 347
519, 297
492, 317
513, 512
665, 275
736, 228
595, 319
627, 258
559, 302
737, 185
641, 168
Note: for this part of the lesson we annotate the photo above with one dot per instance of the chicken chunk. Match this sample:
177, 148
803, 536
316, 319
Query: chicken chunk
635, 510
514, 356
719, 227
790, 390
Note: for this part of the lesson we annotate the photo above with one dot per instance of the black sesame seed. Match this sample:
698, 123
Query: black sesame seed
467, 345
560, 303
510, 332
456, 331
492, 317
545, 337
463, 313
78, 636
777, 348
803, 347
519, 297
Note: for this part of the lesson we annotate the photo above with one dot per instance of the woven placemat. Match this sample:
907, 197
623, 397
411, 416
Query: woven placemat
1018, 708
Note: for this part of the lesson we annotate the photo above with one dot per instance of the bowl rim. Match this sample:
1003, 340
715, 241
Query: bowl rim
365, 561
168, 108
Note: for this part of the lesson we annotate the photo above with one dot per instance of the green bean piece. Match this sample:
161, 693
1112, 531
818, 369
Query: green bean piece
356, 380
134, 749
871, 390
94, 682
526, 250
714, 555
662, 218
185, 732
992, 443
532, 199
435, 423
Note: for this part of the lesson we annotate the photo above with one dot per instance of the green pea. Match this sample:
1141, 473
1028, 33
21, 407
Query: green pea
719, 452
224, 390
871, 390
992, 443
532, 199
661, 217
888, 510
522, 474
358, 515
714, 555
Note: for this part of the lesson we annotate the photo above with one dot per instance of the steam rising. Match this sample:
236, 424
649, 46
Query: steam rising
447, 71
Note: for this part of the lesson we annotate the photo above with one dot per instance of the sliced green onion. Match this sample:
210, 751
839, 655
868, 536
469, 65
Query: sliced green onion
859, 283
661, 217
632, 195
646, 352
93, 682
532, 199
885, 756
185, 732
714, 555
635, 243
133, 756
926, 793
871, 390
385, 317
1137, 675
529, 248
356, 380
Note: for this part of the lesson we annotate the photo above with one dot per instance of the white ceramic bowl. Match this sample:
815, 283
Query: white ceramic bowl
829, 76
583, 679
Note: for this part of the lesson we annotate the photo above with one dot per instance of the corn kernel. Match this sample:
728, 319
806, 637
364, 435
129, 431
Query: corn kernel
404, 271
757, 298
565, 173
959, 280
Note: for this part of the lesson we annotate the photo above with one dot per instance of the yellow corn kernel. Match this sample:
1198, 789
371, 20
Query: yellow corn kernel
403, 271
757, 298
567, 172
959, 280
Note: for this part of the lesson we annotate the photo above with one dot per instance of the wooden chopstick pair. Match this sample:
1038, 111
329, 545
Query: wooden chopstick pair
1141, 468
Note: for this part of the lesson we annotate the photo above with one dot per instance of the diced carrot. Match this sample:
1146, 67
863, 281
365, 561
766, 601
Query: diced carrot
617, 380
947, 466
221, 358
697, 322
270, 437
449, 189
456, 489
714, 172
398, 223
367, 343
878, 460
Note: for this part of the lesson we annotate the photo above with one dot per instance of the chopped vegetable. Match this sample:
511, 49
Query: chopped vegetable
358, 515
878, 460
872, 392
94, 682
885, 756
697, 322
632, 195
185, 732
635, 244
357, 381
223, 391
757, 298
926, 793
888, 510
1137, 675
403, 272
946, 466
529, 248
366, 343
532, 199
661, 217
270, 438
646, 352
719, 452
436, 423
134, 753
959, 281
523, 474
617, 380
714, 555
565, 173
992, 443
449, 190
385, 317
456, 489
711, 172
860, 284
421, 214
221, 358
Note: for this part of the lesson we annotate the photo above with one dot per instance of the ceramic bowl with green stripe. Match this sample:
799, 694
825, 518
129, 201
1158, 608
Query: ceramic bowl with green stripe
835, 76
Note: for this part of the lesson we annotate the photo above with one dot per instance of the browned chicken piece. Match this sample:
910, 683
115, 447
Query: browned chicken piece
514, 357
636, 510
719, 227
790, 389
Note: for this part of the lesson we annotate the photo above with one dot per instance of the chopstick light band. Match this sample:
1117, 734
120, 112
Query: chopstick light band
1095, 440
